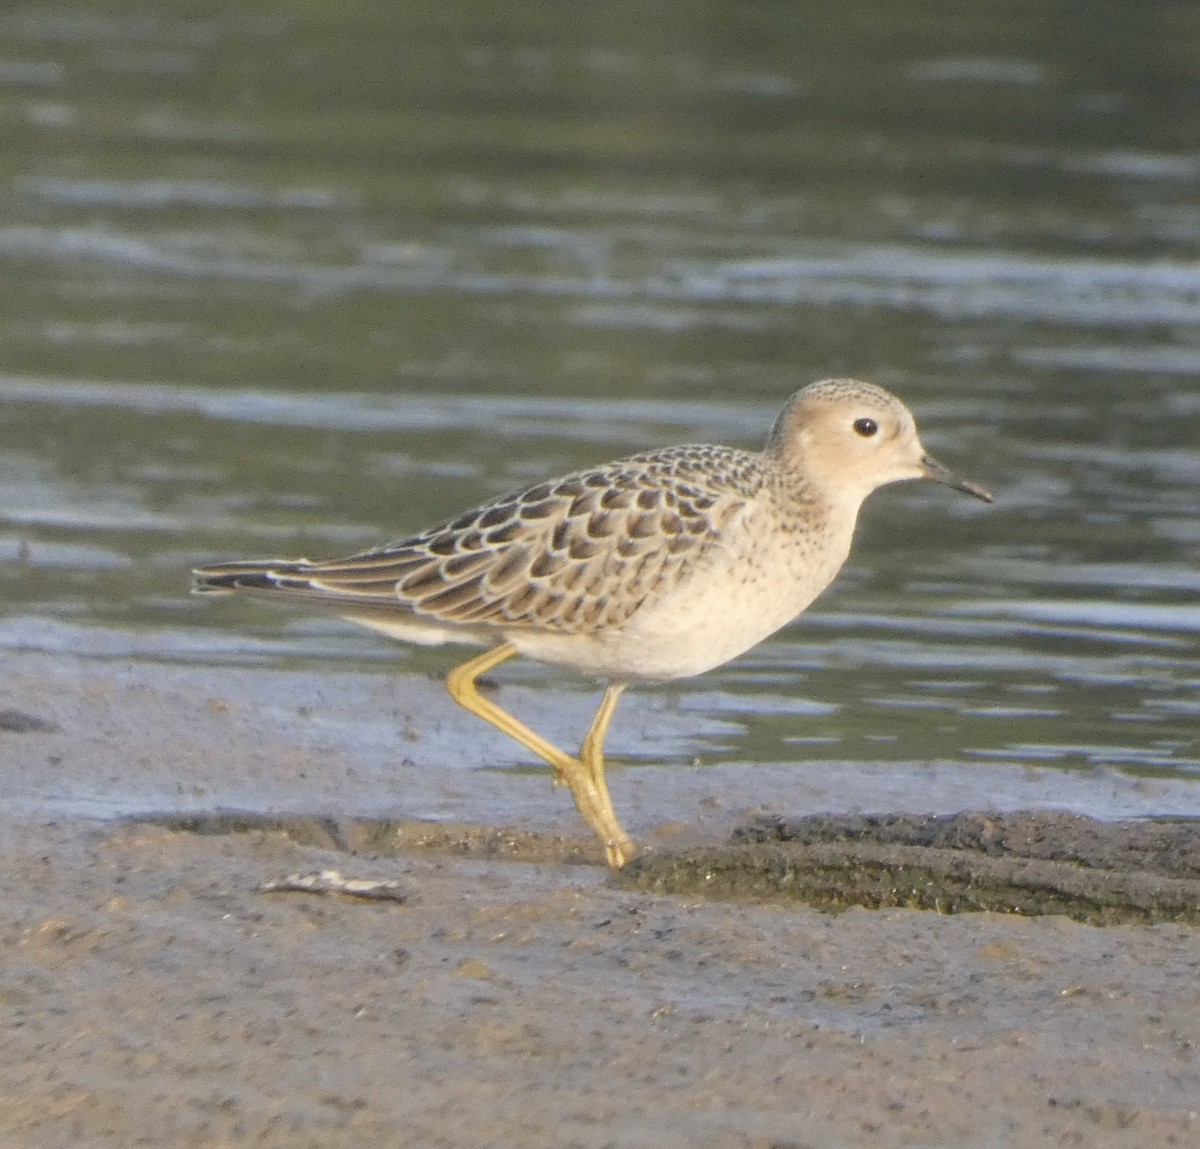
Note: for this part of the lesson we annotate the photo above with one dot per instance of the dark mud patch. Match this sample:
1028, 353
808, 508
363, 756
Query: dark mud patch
1169, 846
1023, 863
1027, 863
14, 721
385, 838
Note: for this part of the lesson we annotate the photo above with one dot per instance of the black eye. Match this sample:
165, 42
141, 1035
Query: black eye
866, 427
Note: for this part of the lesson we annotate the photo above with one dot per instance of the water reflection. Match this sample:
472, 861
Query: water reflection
300, 285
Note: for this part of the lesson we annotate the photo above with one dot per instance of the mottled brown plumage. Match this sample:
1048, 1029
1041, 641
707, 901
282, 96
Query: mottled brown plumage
577, 555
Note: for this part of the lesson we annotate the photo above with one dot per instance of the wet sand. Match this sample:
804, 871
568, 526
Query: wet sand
511, 993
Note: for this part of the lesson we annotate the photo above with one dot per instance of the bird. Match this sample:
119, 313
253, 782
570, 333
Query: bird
659, 566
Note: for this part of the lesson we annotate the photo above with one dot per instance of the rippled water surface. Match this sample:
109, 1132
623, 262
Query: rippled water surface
286, 279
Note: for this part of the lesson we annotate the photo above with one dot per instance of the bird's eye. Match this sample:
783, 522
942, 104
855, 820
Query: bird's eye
866, 427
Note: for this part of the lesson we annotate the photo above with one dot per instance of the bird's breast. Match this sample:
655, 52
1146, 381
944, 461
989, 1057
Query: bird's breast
755, 582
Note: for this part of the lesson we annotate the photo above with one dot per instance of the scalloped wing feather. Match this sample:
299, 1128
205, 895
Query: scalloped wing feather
578, 555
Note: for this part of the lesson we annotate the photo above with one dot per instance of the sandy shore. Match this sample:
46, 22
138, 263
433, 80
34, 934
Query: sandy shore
152, 995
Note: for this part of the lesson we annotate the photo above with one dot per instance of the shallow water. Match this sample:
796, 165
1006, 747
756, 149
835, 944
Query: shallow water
296, 284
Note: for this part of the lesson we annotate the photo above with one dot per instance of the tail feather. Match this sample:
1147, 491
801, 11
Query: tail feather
268, 575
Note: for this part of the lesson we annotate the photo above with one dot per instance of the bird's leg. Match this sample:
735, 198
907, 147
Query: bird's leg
461, 684
618, 845
585, 777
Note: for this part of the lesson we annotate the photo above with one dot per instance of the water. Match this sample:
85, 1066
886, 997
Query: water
296, 282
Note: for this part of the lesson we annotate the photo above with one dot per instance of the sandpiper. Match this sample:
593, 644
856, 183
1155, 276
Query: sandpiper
659, 566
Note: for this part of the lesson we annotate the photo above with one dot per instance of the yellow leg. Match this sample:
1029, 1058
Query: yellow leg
584, 775
592, 752
621, 848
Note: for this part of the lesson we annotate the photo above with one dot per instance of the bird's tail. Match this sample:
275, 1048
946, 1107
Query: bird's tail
252, 575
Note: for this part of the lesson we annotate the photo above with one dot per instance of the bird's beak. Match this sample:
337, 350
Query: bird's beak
942, 474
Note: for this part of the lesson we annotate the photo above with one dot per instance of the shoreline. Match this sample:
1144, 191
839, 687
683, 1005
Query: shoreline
153, 994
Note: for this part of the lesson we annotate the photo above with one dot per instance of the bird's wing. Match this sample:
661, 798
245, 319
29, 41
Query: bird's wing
576, 555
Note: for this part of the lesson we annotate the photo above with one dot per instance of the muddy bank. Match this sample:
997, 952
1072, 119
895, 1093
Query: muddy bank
1029, 862
150, 994
511, 995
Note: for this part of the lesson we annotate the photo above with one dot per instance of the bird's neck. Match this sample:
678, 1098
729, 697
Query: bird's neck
833, 505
